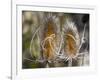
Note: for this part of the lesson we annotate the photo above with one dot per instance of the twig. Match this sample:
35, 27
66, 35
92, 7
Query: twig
70, 62
60, 45
82, 39
29, 59
32, 40
41, 61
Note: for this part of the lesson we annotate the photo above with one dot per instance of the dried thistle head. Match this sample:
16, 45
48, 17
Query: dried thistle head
71, 39
49, 41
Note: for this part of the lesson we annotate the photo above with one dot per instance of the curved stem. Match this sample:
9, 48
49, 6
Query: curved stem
82, 39
29, 59
32, 41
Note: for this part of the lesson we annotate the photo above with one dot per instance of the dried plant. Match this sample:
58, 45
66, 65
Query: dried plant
63, 47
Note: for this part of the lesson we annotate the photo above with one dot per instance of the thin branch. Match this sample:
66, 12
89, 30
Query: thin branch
32, 41
41, 61
28, 59
60, 45
70, 62
82, 38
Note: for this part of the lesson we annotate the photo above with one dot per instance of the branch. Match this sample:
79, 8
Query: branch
32, 41
82, 39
